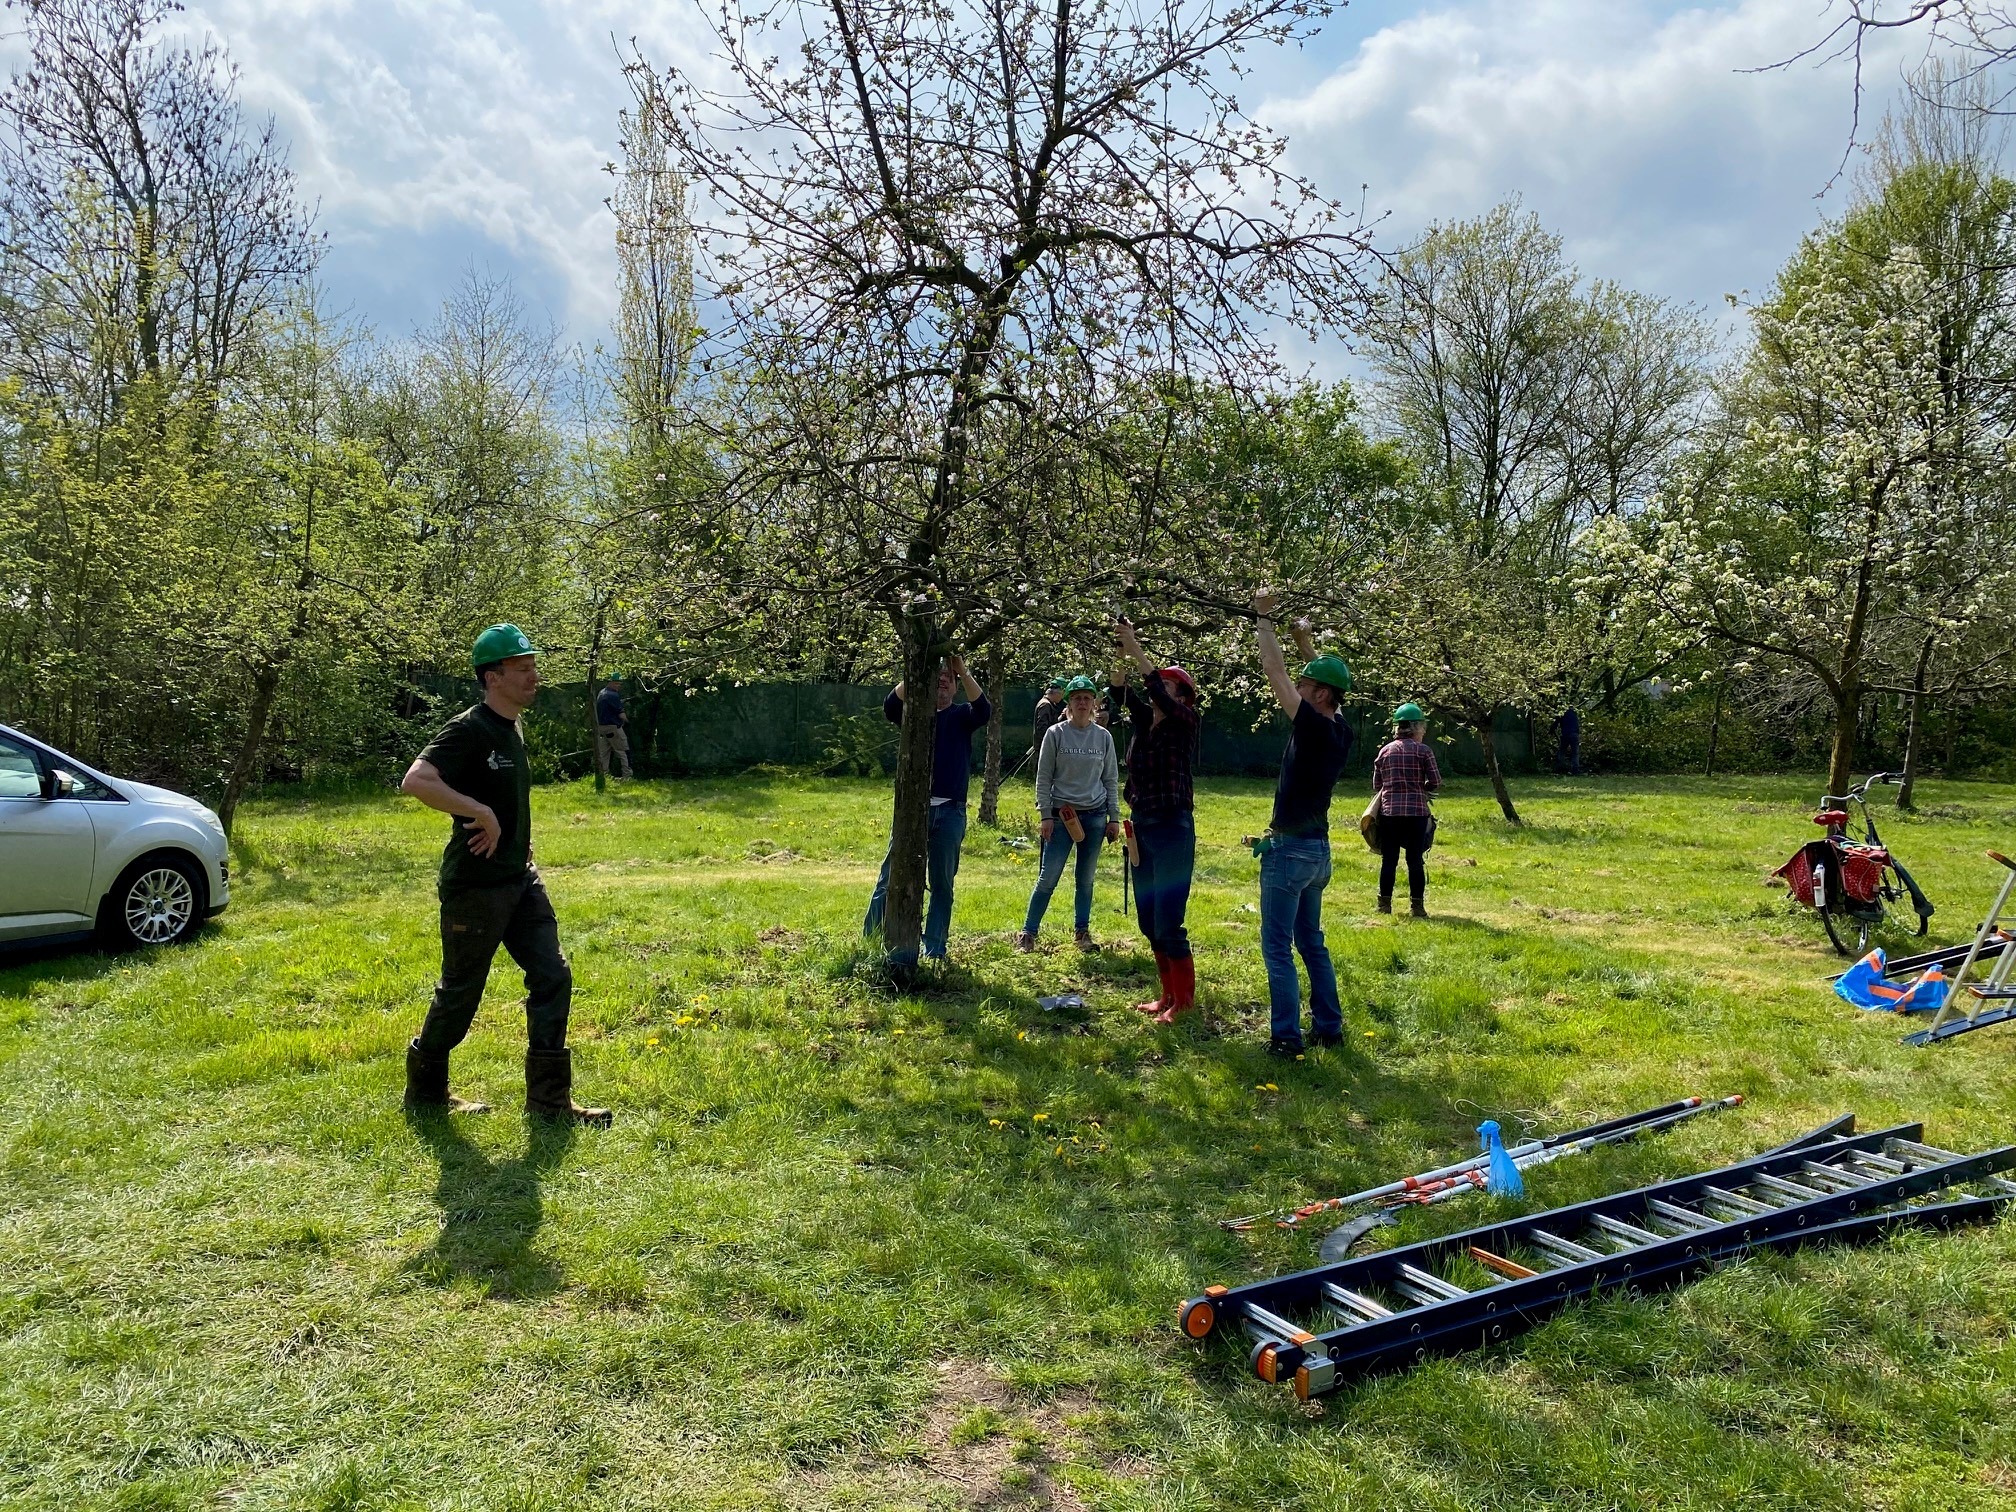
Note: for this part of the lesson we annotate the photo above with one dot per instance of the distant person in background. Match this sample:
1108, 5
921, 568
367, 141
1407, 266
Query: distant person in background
1568, 742
1049, 709
951, 763
611, 732
1406, 777
1078, 770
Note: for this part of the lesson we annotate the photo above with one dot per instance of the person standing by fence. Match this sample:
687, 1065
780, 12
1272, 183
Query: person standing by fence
1078, 795
1295, 851
1406, 777
612, 735
951, 764
1160, 794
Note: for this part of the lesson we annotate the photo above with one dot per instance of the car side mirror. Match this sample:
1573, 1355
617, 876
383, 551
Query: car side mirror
57, 784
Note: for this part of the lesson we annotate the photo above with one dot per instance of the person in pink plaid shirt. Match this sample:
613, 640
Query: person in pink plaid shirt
1405, 776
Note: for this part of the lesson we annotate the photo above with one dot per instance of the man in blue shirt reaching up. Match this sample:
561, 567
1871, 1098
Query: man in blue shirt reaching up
951, 761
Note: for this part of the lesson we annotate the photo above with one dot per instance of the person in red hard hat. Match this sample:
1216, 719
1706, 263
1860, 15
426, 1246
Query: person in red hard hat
476, 771
1160, 795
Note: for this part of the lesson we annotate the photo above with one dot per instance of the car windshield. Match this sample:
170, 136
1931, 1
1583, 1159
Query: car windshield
20, 777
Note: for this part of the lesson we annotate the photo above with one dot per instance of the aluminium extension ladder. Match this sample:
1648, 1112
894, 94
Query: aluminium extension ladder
1993, 997
1318, 1329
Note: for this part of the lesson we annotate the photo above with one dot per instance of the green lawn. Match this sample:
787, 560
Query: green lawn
849, 1249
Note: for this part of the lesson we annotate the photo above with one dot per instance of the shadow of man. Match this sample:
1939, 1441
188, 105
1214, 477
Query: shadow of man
490, 1211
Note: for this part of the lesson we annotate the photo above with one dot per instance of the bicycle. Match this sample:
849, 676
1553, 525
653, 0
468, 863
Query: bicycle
1850, 878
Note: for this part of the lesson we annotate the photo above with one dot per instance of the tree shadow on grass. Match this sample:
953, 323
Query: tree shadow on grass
491, 1210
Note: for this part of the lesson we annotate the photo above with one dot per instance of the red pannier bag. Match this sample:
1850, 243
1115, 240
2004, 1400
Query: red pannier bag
1862, 871
1798, 872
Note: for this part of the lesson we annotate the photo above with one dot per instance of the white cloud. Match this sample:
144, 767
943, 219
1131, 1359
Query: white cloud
438, 134
1632, 130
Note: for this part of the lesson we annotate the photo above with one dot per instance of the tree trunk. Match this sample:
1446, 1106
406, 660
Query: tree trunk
997, 695
265, 686
1715, 728
1912, 725
910, 825
1489, 741
594, 687
1847, 716
1954, 712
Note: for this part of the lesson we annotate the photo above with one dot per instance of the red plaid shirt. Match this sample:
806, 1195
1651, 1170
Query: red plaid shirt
1160, 758
1404, 773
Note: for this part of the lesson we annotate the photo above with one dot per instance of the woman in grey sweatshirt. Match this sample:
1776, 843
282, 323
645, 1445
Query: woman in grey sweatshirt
1077, 769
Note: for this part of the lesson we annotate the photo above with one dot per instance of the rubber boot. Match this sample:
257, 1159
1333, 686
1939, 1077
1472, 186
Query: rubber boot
1386, 903
549, 1082
1162, 975
427, 1085
1183, 989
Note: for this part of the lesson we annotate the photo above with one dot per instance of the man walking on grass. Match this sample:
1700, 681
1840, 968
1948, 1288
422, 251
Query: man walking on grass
1295, 851
476, 770
951, 762
612, 734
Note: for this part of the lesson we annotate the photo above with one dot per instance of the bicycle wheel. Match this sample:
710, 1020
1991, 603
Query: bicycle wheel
1851, 933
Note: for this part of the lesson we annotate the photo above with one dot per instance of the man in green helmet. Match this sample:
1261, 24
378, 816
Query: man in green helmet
1406, 777
1295, 859
477, 771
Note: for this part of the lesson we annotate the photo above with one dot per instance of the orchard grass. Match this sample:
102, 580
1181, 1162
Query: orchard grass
853, 1247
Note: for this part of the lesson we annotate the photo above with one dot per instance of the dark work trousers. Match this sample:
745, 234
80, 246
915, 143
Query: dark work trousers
1397, 833
474, 922
1162, 880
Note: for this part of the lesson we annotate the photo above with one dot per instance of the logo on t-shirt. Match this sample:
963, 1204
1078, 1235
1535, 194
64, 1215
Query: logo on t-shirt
499, 762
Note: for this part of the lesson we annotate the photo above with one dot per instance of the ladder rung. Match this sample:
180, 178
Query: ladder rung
1791, 1189
1924, 1151
1560, 1246
1433, 1284
1275, 1326
1625, 1233
1504, 1267
1685, 1218
1731, 1199
1356, 1302
1882, 1163
2001, 1184
1835, 1174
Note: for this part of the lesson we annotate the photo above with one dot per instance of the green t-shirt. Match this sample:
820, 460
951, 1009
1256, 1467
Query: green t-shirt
481, 755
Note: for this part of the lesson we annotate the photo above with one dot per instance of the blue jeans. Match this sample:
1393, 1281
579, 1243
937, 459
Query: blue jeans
941, 865
1162, 880
1054, 852
1293, 875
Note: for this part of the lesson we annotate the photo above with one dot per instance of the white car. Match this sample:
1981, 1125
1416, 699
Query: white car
84, 853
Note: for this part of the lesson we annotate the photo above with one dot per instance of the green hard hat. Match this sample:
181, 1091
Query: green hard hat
1409, 713
499, 642
1081, 684
1330, 671
1058, 682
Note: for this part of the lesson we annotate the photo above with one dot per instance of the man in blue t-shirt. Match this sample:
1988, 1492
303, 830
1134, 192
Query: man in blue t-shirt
612, 736
951, 761
1295, 856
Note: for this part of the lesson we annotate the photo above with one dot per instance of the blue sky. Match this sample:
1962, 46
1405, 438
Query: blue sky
443, 134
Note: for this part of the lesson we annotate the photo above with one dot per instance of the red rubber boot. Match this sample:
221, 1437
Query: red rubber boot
1183, 993
1162, 964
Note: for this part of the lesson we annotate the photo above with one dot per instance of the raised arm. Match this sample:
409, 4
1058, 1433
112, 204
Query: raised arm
968, 684
1271, 660
1130, 644
1305, 639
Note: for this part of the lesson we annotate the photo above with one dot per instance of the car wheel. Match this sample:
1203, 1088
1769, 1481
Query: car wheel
158, 900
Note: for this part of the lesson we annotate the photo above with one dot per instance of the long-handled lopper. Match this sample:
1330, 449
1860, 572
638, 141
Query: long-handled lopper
1475, 1162
1473, 1180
